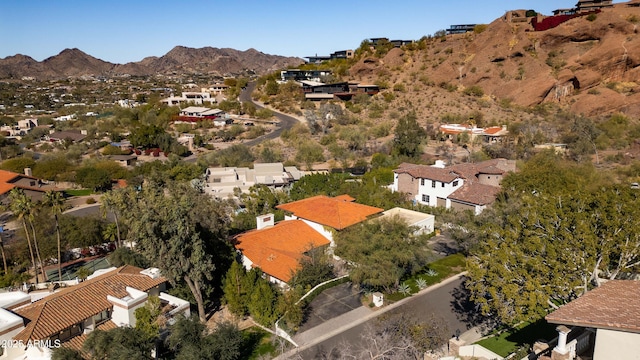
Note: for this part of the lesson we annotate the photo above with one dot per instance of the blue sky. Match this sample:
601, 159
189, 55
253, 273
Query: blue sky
121, 31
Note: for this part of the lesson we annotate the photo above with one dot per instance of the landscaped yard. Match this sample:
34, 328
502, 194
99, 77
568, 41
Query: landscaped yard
78, 192
525, 334
257, 344
433, 273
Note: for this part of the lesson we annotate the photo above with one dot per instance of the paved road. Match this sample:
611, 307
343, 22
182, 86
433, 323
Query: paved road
285, 121
440, 302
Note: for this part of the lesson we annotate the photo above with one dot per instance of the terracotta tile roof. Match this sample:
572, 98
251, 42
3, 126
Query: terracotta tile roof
493, 130
428, 172
77, 342
615, 305
73, 305
334, 212
277, 250
475, 193
8, 181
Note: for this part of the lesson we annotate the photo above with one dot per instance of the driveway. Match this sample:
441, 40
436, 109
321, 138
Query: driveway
331, 303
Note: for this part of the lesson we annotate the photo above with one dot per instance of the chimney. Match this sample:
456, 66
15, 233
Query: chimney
28, 172
264, 221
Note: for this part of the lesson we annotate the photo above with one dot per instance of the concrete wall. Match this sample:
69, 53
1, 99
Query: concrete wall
612, 344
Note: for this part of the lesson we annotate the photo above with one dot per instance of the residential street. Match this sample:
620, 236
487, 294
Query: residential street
285, 121
447, 301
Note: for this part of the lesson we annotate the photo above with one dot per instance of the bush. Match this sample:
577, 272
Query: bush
474, 91
480, 28
91, 201
592, 17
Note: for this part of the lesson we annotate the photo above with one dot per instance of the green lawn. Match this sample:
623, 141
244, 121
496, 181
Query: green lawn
433, 273
257, 344
525, 334
79, 192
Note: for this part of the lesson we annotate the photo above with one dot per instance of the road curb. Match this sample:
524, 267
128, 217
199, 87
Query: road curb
364, 319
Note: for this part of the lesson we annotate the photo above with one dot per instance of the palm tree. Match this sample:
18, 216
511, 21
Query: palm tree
55, 201
115, 202
31, 216
20, 205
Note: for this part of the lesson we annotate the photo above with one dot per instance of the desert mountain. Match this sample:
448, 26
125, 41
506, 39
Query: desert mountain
73, 62
588, 64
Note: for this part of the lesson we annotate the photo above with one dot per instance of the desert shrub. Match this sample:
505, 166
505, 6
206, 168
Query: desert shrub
474, 91
592, 17
480, 28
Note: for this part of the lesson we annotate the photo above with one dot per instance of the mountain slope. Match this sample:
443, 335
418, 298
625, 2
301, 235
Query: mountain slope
208, 60
592, 67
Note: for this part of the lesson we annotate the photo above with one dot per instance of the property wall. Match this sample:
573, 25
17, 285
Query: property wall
321, 229
612, 344
426, 226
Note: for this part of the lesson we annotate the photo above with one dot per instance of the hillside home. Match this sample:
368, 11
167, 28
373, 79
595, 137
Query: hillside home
277, 249
602, 324
216, 89
326, 215
460, 29
591, 5
196, 98
465, 186
124, 160
32, 187
62, 136
222, 182
301, 75
488, 135
66, 317
23, 127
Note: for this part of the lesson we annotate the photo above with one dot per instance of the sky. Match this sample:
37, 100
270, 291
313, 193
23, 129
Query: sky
121, 31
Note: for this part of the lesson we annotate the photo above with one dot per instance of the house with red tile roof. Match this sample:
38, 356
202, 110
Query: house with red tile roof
66, 317
326, 214
278, 249
602, 324
33, 187
468, 186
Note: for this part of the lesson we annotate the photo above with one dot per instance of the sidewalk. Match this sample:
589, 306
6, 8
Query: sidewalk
361, 315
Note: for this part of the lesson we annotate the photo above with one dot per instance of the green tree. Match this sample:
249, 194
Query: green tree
409, 136
146, 136
382, 251
18, 164
309, 153
263, 302
235, 292
93, 178
55, 201
148, 317
122, 343
180, 231
65, 353
125, 256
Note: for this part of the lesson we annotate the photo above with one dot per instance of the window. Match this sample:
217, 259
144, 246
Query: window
425, 198
455, 183
433, 183
442, 184
422, 182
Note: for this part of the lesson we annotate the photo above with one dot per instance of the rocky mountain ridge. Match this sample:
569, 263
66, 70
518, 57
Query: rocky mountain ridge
180, 60
589, 65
